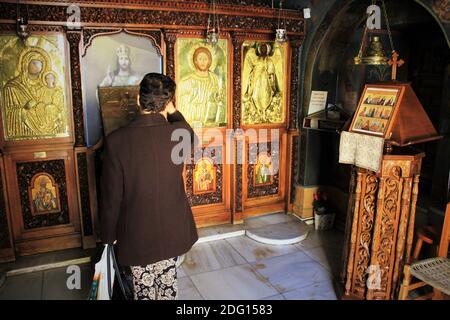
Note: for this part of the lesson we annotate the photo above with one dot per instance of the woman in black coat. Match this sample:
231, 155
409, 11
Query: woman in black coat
144, 205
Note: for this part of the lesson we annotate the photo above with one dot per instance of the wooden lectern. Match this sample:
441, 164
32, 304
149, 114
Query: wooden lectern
382, 205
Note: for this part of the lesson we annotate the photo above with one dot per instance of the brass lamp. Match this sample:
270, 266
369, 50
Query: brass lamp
375, 54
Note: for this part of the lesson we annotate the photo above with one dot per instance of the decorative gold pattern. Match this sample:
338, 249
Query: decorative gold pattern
33, 93
202, 73
263, 82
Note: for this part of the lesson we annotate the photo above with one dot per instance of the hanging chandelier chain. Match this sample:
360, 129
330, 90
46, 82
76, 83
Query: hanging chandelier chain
364, 33
279, 13
214, 13
387, 25
212, 31
18, 9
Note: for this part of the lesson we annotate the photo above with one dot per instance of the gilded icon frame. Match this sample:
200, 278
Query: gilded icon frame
63, 77
283, 75
31, 193
225, 76
255, 166
196, 191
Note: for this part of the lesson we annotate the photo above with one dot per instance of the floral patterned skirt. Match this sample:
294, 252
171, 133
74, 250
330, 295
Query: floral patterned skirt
156, 281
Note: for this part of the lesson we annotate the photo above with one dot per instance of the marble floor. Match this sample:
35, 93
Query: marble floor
234, 268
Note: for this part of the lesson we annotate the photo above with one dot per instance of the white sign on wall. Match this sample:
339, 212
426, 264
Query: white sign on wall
318, 101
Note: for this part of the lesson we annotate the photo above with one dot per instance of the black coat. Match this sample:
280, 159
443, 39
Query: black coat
144, 205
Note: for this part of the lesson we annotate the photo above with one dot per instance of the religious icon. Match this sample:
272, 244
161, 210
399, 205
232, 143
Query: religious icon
202, 81
263, 169
123, 75
114, 60
33, 93
44, 195
119, 106
204, 176
263, 85
375, 110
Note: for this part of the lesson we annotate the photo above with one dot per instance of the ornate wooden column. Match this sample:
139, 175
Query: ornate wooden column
83, 165
170, 37
74, 39
237, 39
293, 132
295, 43
382, 227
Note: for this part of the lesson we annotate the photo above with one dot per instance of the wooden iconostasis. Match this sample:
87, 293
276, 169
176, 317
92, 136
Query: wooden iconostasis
243, 91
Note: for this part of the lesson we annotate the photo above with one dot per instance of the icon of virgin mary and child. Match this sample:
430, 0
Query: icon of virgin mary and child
33, 100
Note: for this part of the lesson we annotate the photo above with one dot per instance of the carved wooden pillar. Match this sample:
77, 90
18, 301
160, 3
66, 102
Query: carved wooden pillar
295, 48
237, 40
170, 38
293, 133
365, 205
74, 39
384, 239
382, 231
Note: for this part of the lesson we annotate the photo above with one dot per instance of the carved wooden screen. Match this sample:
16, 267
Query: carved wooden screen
218, 192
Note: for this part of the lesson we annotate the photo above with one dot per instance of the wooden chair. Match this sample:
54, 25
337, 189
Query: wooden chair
426, 235
434, 272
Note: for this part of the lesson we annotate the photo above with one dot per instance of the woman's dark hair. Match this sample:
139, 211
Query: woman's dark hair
156, 90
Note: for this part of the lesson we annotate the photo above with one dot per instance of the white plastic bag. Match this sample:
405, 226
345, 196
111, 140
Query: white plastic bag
99, 290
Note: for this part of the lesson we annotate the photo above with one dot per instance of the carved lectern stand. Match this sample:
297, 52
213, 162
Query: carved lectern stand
380, 226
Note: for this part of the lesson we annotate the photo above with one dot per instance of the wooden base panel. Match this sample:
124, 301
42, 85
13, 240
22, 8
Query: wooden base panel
207, 219
7, 255
264, 210
49, 244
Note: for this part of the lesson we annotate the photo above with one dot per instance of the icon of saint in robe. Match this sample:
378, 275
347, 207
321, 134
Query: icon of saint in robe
201, 92
263, 169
